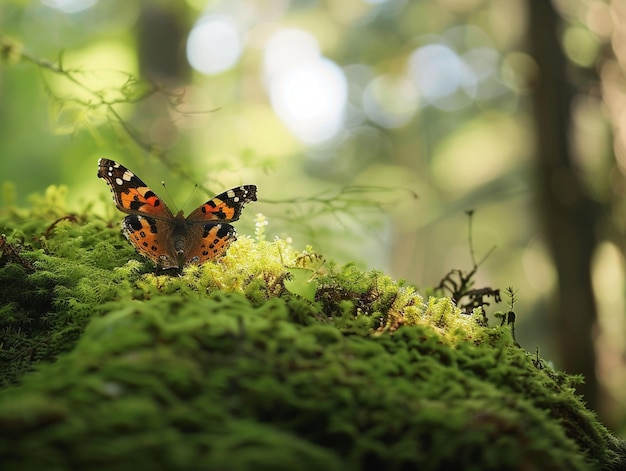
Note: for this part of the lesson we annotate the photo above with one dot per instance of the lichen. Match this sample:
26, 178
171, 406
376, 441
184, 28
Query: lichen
271, 358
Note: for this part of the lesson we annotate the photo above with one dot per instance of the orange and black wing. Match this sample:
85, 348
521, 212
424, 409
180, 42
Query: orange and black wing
225, 207
208, 227
131, 195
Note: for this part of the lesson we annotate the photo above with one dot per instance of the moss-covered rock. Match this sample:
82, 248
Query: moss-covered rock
268, 359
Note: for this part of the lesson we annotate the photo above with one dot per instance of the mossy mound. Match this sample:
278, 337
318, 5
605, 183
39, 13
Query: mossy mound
261, 361
216, 383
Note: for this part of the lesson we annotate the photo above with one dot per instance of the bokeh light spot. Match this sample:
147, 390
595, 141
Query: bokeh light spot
69, 6
287, 49
310, 99
580, 46
307, 91
214, 44
439, 73
390, 101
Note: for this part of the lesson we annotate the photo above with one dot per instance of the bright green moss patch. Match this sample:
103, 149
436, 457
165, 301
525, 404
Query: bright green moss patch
232, 366
244, 386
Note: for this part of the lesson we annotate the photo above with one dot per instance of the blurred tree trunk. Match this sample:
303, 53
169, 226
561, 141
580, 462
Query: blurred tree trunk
568, 215
161, 34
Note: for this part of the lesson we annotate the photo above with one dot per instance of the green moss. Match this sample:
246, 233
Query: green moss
229, 366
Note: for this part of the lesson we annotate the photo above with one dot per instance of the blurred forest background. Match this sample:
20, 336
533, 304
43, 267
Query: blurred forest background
370, 128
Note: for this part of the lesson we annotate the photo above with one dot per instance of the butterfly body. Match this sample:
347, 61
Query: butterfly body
173, 241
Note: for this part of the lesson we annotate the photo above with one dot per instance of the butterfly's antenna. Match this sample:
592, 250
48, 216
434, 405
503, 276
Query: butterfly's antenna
195, 188
169, 196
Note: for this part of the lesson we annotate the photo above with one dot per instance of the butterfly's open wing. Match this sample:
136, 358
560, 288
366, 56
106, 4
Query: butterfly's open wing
209, 233
210, 241
151, 238
130, 194
225, 207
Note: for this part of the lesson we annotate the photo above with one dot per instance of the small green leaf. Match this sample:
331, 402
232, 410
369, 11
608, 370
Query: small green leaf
300, 283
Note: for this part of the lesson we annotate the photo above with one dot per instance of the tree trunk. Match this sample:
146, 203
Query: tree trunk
568, 215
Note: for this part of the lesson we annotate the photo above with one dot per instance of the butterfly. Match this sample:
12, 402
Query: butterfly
173, 241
